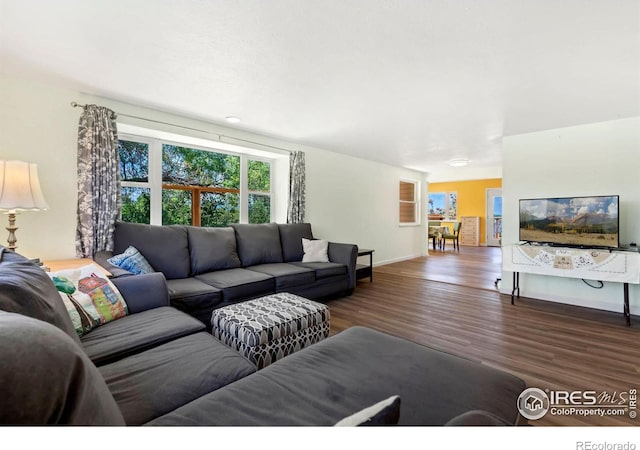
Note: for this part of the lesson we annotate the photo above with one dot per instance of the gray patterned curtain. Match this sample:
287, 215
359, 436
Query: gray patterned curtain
98, 181
295, 210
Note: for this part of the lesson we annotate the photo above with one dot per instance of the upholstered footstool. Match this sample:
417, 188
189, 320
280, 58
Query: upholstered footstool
269, 328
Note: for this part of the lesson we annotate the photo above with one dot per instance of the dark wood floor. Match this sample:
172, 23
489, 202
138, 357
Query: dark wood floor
448, 301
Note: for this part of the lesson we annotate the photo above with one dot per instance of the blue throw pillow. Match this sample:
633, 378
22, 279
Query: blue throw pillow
132, 260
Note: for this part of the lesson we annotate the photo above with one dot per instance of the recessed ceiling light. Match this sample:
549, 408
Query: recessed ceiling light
232, 119
458, 162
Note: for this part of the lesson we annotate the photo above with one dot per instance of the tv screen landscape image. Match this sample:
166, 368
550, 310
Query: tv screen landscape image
571, 221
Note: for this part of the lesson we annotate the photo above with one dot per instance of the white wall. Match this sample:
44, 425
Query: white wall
38, 125
348, 199
355, 200
595, 159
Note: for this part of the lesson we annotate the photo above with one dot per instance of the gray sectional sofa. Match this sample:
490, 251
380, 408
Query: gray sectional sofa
208, 268
158, 366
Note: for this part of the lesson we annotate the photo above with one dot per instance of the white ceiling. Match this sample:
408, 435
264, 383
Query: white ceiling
412, 83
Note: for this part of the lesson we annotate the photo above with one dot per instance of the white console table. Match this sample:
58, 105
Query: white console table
588, 264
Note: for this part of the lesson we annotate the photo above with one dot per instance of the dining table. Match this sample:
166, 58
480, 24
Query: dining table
436, 233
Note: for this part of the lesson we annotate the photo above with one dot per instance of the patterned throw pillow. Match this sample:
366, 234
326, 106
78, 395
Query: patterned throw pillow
132, 260
91, 299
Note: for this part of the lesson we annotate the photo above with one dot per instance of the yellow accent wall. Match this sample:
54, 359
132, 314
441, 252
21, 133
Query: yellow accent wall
472, 198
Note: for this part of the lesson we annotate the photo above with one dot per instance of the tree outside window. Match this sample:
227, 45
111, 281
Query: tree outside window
134, 176
259, 184
199, 184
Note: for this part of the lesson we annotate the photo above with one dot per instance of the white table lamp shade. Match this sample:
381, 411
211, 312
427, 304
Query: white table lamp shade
20, 187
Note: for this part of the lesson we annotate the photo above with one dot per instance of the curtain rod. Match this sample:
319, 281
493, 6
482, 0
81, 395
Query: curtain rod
78, 105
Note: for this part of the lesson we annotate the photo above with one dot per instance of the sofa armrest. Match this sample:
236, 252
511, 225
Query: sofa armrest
143, 292
345, 254
102, 257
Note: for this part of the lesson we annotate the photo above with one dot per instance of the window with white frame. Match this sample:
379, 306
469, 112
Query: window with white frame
134, 176
259, 191
442, 206
171, 183
409, 203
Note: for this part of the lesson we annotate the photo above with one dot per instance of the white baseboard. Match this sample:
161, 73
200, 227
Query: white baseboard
395, 260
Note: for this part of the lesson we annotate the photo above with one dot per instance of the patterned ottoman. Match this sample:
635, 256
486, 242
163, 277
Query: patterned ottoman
269, 328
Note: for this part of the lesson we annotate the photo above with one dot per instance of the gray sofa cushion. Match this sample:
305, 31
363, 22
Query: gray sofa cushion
47, 379
324, 269
193, 293
212, 249
194, 297
165, 247
323, 288
159, 380
286, 275
291, 235
136, 333
350, 371
237, 284
258, 243
28, 290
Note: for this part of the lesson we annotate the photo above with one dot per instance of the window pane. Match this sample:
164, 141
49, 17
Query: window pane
497, 227
136, 205
437, 203
191, 167
453, 205
259, 177
134, 161
407, 212
219, 210
259, 208
176, 207
497, 206
407, 191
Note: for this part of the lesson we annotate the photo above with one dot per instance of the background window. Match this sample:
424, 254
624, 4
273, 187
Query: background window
259, 185
409, 202
134, 176
442, 205
199, 184
169, 184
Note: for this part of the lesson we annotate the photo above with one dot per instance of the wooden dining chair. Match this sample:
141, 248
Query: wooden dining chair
455, 237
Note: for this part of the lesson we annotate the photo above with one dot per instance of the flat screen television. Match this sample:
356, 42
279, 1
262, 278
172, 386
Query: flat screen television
587, 222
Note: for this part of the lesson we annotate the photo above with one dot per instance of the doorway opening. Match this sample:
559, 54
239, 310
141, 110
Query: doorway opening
494, 217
